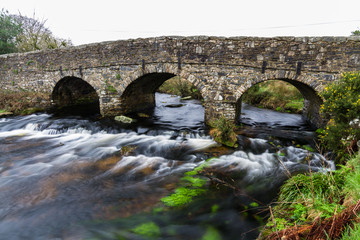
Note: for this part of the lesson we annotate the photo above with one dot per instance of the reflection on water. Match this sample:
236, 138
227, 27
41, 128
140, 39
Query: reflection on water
74, 178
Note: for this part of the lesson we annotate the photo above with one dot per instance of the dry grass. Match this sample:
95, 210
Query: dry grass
330, 228
24, 102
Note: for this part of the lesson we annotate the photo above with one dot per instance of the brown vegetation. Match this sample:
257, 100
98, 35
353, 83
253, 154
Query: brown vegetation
330, 228
24, 102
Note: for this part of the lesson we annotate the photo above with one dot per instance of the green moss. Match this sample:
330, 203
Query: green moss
29, 111
191, 187
182, 196
211, 234
308, 148
110, 88
29, 62
149, 229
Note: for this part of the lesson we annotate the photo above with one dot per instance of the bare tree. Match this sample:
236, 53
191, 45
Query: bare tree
36, 36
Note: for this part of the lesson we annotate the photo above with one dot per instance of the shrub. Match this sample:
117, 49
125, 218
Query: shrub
223, 131
342, 107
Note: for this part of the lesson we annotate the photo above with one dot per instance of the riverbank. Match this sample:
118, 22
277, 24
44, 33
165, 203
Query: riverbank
23, 102
320, 205
325, 205
275, 95
180, 87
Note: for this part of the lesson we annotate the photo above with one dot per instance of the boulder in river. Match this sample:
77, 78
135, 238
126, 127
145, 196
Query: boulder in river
174, 105
124, 119
143, 115
186, 98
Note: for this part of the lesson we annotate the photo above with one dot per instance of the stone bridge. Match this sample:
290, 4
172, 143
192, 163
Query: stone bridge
124, 75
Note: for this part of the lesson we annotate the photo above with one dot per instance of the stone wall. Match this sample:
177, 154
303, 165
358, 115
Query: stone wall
222, 68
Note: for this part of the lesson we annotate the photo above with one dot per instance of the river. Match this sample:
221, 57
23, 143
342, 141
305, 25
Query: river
83, 178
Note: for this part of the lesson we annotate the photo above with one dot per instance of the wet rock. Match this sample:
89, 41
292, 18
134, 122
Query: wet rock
244, 142
124, 119
186, 98
6, 114
174, 105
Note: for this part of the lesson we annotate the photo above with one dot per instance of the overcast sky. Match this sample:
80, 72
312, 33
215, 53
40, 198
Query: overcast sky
103, 20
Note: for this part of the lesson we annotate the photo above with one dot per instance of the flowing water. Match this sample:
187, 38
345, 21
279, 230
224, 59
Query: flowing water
78, 178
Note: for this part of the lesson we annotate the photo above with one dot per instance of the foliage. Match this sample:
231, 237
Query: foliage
308, 148
277, 95
180, 87
36, 36
182, 196
281, 224
342, 107
352, 179
355, 33
352, 233
149, 229
224, 131
9, 29
191, 187
305, 197
211, 234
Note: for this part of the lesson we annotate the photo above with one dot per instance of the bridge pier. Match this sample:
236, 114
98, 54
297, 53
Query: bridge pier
216, 109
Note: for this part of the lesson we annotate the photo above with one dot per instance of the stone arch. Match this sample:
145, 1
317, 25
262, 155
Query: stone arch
73, 95
307, 86
139, 94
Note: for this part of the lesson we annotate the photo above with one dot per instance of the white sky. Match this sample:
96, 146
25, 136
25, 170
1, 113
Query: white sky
103, 20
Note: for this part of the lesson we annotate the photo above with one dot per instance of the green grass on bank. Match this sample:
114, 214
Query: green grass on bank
276, 95
180, 87
352, 233
306, 197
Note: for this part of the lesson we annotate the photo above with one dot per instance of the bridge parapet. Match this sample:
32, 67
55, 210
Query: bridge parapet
222, 68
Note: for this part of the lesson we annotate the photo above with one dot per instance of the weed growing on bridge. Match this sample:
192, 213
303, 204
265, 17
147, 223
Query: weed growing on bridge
110, 88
